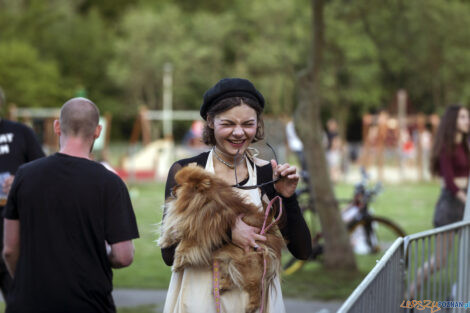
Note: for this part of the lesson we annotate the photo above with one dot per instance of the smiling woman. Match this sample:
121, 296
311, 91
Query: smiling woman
233, 112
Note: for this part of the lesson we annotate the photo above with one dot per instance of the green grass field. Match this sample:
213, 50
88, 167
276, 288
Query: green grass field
410, 205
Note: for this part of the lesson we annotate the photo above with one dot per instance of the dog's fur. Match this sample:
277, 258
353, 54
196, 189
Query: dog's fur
199, 219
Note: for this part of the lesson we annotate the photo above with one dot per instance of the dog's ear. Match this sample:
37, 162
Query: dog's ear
194, 177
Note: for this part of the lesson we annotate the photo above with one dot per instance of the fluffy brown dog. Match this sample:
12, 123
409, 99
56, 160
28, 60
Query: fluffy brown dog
199, 219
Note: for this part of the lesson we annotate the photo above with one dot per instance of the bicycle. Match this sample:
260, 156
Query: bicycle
378, 233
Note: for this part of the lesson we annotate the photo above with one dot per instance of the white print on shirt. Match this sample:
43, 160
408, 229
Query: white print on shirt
4, 140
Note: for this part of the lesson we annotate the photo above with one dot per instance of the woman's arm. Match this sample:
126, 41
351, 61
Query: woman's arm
293, 227
447, 173
295, 230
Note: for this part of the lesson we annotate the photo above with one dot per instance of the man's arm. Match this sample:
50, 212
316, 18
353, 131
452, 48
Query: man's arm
11, 244
121, 254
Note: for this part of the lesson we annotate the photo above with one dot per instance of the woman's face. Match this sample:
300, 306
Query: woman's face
463, 121
235, 129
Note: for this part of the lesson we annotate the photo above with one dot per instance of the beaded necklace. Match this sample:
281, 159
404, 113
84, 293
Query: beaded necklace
232, 166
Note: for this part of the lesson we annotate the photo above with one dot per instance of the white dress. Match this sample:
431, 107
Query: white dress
191, 291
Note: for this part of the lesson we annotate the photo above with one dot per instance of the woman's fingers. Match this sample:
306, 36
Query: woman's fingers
245, 236
283, 169
286, 186
259, 237
288, 170
293, 176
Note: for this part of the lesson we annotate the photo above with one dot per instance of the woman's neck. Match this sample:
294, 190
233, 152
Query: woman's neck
229, 159
227, 172
458, 137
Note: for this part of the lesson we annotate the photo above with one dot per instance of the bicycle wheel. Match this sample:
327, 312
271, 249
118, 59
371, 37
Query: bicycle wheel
380, 232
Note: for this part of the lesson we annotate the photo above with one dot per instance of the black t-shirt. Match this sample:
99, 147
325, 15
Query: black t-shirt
18, 145
67, 207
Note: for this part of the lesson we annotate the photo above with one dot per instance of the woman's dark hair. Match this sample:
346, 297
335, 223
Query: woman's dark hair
444, 141
226, 104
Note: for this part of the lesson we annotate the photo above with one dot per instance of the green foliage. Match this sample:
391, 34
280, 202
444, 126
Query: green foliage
150, 39
116, 51
420, 46
26, 79
204, 46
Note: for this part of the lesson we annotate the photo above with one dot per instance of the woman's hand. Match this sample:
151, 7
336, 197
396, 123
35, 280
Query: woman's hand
461, 196
289, 178
245, 236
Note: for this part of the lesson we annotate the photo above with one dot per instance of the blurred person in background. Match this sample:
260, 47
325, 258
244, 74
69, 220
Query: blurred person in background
18, 145
193, 137
333, 149
450, 159
295, 144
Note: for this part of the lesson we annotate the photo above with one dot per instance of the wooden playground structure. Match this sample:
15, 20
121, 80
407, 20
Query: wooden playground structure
155, 157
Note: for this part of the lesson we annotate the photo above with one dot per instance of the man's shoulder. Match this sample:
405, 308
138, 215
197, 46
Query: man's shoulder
34, 167
110, 175
100, 172
106, 177
81, 165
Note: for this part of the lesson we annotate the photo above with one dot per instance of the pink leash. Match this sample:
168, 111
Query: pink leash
264, 229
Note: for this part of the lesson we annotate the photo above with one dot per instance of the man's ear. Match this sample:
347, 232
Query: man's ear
57, 127
97, 131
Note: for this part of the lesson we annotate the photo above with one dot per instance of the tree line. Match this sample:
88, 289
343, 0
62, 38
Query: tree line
115, 51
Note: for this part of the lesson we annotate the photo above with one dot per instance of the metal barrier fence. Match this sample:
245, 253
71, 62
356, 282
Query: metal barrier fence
437, 262
431, 267
382, 287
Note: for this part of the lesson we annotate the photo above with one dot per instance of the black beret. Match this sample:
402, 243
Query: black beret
228, 88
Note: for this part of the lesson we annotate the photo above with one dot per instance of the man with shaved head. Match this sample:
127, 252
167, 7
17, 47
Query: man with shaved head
79, 117
68, 220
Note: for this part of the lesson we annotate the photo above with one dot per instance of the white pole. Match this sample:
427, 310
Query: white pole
168, 100
401, 99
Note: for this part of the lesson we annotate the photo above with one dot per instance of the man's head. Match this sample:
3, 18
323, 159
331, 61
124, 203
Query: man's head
79, 118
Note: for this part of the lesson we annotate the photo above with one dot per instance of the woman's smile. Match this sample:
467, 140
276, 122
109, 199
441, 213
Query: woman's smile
236, 143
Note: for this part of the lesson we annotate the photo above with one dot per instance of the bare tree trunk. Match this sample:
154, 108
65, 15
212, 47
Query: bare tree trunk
338, 251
